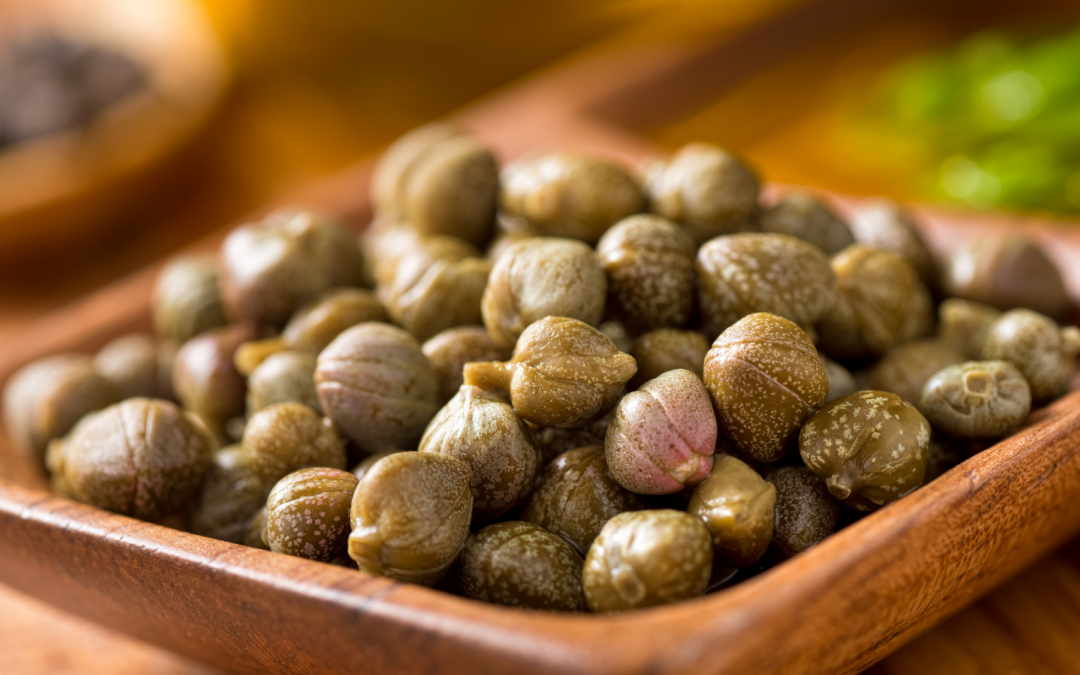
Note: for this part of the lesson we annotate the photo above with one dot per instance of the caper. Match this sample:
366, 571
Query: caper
286, 437
315, 325
230, 496
906, 368
410, 516
522, 565
747, 273
452, 348
283, 377
364, 465
564, 373
134, 365
307, 513
205, 376
885, 225
1038, 347
187, 299
870, 448
765, 379
806, 512
963, 325
738, 507
976, 400
542, 277
647, 558
805, 216
482, 430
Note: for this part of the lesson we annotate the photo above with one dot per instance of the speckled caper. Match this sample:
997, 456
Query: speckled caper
563, 194
286, 437
255, 537
542, 277
885, 225
806, 512
765, 379
307, 513
805, 216
649, 263
1006, 270
268, 269
576, 495
746, 273
230, 496
1044, 352
410, 516
705, 189
876, 293
136, 365
283, 377
451, 349
481, 429
976, 400
315, 325
439, 181
205, 377
143, 458
364, 465
436, 287
662, 437
906, 368
521, 565
647, 558
45, 398
664, 349
841, 381
738, 507
377, 387
962, 325
869, 447
564, 373
187, 299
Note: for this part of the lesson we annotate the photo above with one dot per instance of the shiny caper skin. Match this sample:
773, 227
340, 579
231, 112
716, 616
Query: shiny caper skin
564, 373
132, 364
876, 295
481, 429
364, 465
522, 565
410, 516
307, 513
664, 349
143, 458
576, 495
452, 348
649, 263
886, 226
1006, 270
738, 506
44, 399
230, 496
187, 299
283, 377
806, 512
563, 194
315, 325
436, 286
377, 387
743, 274
255, 537
647, 558
285, 437
330, 240
765, 378
870, 448
841, 381
976, 400
541, 277
388, 176
963, 324
662, 436
905, 368
1044, 352
706, 189
205, 377
805, 216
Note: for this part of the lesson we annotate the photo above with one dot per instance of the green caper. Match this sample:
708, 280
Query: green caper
283, 377
664, 349
906, 368
230, 496
451, 349
886, 226
738, 507
187, 299
963, 324
286, 437
803, 215
806, 512
1038, 347
976, 400
307, 513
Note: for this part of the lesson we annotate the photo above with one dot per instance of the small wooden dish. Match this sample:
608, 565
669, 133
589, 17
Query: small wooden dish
65, 186
837, 608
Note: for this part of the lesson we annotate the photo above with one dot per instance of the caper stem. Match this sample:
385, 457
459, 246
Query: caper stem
489, 374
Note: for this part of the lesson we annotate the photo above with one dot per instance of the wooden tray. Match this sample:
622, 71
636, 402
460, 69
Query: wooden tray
834, 609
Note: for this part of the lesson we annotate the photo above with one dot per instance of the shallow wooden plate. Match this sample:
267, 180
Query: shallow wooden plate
834, 609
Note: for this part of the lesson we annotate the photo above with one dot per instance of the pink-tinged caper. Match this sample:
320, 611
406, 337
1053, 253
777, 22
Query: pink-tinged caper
663, 435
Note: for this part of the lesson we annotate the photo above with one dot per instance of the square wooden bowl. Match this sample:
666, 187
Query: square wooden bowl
836, 608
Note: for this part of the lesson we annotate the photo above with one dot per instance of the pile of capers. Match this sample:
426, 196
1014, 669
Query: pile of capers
562, 385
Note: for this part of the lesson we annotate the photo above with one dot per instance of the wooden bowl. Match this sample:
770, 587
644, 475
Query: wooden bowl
64, 186
836, 608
